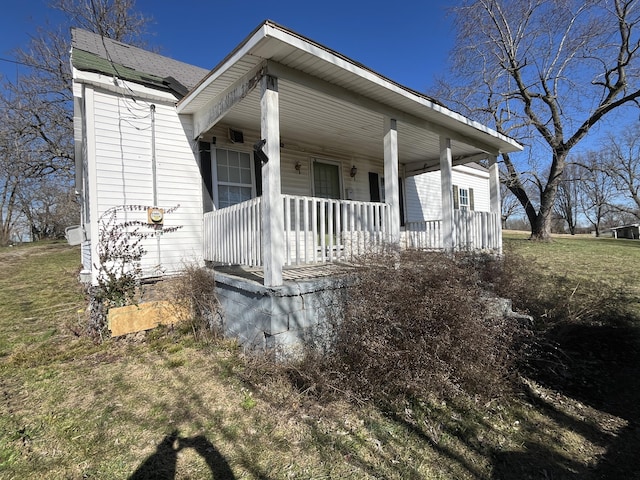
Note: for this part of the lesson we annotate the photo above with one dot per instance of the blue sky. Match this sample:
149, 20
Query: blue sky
405, 41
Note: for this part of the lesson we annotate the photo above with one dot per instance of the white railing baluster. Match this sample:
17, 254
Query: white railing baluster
474, 231
315, 230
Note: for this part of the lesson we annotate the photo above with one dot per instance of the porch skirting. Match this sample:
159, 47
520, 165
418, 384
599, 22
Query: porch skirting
280, 319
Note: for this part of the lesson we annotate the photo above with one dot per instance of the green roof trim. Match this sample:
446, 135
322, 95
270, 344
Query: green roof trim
93, 63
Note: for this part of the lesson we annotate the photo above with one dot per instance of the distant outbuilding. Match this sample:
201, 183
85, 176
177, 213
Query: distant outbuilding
631, 231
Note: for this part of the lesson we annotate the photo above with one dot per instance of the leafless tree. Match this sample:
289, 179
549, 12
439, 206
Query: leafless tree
568, 196
20, 164
544, 72
48, 208
622, 163
596, 189
37, 139
115, 19
509, 205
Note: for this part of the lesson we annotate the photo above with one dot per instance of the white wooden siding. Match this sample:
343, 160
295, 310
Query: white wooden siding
294, 150
467, 177
422, 192
123, 163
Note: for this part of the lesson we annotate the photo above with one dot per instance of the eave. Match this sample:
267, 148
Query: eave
328, 92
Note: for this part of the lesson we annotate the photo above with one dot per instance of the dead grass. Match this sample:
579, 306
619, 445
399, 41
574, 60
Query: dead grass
167, 403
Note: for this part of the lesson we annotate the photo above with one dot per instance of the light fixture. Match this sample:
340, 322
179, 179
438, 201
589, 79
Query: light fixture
298, 166
353, 172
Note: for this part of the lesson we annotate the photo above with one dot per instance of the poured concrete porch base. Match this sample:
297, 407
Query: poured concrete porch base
281, 319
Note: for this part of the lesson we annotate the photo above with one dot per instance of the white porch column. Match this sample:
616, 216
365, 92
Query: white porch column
446, 184
272, 207
391, 187
494, 197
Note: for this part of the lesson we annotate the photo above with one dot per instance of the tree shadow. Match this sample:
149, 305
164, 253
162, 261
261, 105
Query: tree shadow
601, 370
162, 464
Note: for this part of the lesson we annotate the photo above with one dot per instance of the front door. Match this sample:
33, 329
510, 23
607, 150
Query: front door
326, 180
326, 184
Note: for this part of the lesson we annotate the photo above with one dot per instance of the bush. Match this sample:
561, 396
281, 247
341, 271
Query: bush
193, 294
119, 262
415, 326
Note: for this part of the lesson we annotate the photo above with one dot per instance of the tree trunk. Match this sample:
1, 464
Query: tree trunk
541, 227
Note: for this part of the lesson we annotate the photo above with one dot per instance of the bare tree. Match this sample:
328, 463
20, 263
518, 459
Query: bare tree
48, 208
623, 165
20, 164
568, 196
38, 138
115, 19
596, 190
509, 204
544, 72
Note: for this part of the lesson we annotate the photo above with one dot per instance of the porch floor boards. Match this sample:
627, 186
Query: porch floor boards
291, 273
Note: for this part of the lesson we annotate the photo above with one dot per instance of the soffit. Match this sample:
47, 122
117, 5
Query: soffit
318, 117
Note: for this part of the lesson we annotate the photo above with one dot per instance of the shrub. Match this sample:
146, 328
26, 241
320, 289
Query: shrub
193, 293
416, 325
120, 253
422, 327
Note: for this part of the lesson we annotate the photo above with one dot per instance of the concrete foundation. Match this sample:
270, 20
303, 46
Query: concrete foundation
281, 319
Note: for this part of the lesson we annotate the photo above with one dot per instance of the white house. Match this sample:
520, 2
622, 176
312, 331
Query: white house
287, 153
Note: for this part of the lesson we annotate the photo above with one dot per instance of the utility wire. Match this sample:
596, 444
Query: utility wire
30, 65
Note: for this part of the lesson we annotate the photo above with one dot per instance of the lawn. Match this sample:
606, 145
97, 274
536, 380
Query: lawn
163, 405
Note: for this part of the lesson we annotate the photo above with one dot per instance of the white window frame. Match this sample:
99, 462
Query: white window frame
214, 174
463, 194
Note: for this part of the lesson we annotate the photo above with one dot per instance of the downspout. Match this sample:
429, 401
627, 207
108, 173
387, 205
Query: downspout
154, 180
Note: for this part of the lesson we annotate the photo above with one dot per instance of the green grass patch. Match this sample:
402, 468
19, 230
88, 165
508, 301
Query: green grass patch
168, 404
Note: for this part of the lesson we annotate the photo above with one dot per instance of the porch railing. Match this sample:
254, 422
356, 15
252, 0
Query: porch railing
473, 231
316, 230
232, 235
319, 230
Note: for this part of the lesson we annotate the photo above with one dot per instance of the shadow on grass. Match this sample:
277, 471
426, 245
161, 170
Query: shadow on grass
162, 464
601, 370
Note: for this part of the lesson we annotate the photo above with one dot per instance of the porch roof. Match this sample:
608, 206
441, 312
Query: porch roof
328, 99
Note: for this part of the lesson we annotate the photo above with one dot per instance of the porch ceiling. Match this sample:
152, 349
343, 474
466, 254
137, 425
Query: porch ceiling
309, 117
329, 100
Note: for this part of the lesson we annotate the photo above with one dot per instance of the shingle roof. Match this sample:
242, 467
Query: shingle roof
93, 53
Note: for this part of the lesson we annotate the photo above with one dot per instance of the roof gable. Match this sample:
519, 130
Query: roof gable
91, 52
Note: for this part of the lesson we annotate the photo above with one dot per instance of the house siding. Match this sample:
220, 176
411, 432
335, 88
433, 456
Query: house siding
296, 182
423, 192
124, 172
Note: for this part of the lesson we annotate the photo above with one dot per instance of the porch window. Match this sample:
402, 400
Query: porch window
462, 198
234, 173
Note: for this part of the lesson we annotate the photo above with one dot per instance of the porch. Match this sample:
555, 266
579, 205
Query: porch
319, 231
285, 100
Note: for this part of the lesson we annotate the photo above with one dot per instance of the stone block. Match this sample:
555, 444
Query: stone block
145, 316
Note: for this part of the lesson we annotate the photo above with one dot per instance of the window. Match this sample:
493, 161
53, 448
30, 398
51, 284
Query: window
462, 198
234, 177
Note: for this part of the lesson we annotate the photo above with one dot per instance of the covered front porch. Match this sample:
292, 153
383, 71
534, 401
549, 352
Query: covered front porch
305, 101
319, 231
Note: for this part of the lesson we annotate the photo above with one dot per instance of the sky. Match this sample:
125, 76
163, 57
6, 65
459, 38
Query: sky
405, 41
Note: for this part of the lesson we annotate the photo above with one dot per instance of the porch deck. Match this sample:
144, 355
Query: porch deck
293, 273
